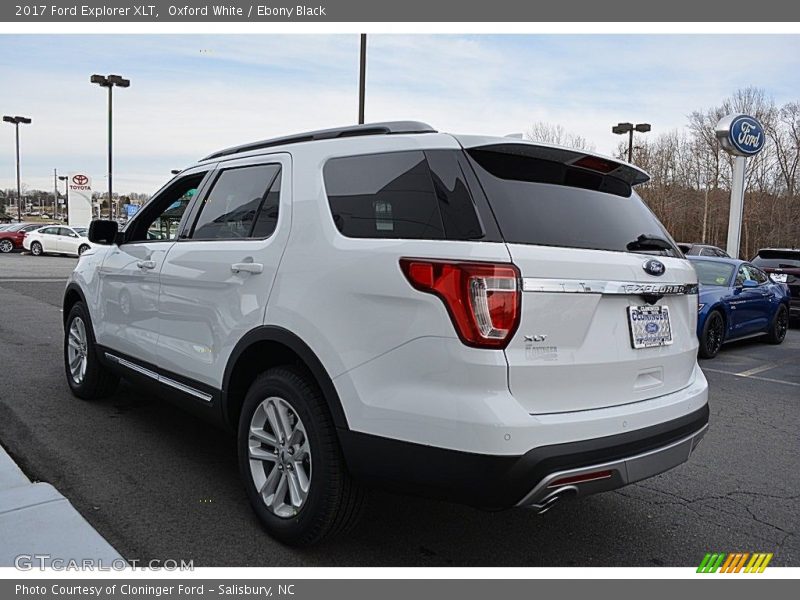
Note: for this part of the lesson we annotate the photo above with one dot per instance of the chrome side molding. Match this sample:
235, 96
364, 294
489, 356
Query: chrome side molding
597, 286
187, 389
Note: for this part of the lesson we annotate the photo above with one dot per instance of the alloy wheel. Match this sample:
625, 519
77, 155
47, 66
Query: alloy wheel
77, 350
280, 457
714, 334
6, 246
781, 324
36, 248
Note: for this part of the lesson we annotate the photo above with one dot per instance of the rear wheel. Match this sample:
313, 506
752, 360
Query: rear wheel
87, 377
36, 249
290, 460
713, 335
780, 325
6, 246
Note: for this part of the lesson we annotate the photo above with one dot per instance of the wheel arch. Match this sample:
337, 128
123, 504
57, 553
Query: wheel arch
269, 346
72, 295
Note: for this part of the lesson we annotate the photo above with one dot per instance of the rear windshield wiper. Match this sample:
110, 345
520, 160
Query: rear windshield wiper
649, 242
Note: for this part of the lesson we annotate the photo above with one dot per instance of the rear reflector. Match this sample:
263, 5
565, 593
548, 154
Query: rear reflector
483, 299
586, 477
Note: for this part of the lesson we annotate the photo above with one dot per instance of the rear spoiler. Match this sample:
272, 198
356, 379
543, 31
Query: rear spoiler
589, 161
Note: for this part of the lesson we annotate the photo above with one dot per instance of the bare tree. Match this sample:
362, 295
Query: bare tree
549, 133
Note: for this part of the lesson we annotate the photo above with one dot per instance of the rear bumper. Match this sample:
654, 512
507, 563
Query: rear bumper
499, 482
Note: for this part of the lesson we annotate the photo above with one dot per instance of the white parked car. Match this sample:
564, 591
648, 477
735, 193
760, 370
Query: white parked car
492, 321
57, 239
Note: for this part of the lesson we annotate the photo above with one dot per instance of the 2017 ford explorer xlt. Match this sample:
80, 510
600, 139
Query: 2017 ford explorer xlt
487, 320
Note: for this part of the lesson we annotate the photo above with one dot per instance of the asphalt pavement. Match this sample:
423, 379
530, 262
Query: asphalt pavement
160, 484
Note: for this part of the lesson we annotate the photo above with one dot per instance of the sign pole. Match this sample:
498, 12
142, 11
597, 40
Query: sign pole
741, 136
737, 206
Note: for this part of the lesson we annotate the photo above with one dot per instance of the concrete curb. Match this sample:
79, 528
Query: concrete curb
39, 524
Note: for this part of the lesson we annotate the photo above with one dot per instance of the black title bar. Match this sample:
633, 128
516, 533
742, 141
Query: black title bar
466, 11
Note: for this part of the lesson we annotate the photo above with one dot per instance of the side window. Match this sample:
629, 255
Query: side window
383, 196
50, 230
242, 203
160, 218
67, 232
758, 275
741, 275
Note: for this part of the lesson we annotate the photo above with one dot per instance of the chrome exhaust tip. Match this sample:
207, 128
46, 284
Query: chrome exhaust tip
549, 501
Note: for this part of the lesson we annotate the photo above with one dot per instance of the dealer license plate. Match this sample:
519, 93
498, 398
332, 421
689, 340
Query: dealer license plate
650, 326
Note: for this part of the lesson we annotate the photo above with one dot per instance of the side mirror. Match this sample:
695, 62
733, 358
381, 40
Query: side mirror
102, 231
750, 283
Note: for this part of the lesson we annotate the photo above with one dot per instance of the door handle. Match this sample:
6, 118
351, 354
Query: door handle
247, 267
146, 264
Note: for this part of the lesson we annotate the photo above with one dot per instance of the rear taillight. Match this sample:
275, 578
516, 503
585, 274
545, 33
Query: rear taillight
483, 299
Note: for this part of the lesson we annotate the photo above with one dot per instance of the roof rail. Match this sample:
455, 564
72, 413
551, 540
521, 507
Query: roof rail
385, 128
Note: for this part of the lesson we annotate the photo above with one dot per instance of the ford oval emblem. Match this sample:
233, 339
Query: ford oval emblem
747, 135
651, 327
654, 267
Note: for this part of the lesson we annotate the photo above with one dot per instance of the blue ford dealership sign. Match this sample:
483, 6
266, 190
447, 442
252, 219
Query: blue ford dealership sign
741, 135
747, 135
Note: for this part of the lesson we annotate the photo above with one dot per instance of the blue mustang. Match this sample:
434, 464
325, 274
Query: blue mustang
737, 300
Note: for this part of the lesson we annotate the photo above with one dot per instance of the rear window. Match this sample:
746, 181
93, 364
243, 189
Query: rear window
406, 195
549, 203
778, 259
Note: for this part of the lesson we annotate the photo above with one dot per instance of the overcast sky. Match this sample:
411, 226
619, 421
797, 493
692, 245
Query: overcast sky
192, 94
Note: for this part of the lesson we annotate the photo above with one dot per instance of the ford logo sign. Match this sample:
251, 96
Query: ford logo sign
747, 135
651, 327
654, 267
741, 135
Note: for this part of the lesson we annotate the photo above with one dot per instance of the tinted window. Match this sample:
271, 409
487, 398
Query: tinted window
383, 196
267, 218
712, 272
547, 203
233, 205
456, 206
758, 275
778, 259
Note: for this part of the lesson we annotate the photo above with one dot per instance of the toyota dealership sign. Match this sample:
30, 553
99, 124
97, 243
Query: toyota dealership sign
80, 199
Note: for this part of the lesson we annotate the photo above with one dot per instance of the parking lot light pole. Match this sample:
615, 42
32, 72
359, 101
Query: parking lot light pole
109, 81
362, 79
629, 128
17, 121
65, 179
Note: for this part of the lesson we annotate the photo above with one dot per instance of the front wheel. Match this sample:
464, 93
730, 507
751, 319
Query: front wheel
290, 460
36, 249
87, 377
713, 335
780, 325
83, 248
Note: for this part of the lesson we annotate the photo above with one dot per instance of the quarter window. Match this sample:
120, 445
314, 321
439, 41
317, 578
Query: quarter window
401, 195
242, 203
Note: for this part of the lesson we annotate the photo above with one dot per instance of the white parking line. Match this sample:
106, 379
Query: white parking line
770, 379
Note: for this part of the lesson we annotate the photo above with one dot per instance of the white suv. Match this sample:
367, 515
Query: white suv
486, 320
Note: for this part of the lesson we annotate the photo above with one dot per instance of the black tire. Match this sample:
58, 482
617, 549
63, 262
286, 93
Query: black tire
6, 246
334, 501
83, 248
779, 326
713, 335
36, 249
97, 381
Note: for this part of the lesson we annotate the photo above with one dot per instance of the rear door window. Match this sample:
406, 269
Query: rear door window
550, 203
